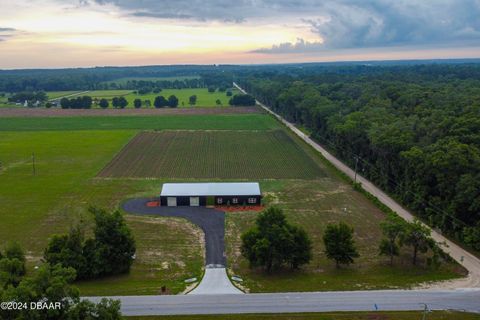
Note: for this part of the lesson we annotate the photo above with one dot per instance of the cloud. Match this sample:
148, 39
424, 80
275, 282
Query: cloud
300, 46
161, 15
386, 23
6, 33
206, 10
351, 24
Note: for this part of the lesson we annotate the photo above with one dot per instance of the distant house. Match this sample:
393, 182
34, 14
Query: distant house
199, 194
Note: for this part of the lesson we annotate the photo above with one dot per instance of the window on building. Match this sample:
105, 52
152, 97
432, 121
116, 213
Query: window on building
235, 200
219, 200
252, 200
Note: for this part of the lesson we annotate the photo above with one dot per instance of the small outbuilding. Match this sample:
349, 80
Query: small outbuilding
213, 193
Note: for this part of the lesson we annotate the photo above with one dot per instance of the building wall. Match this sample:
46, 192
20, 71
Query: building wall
241, 200
183, 201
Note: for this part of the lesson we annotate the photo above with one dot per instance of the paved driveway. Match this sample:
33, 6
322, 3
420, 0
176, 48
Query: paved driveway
211, 221
215, 281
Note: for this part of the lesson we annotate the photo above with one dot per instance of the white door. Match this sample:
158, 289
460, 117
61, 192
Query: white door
172, 201
194, 201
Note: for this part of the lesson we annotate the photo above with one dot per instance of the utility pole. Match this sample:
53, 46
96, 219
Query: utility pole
356, 165
33, 163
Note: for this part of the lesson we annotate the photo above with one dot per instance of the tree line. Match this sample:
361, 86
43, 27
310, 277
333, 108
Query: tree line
413, 130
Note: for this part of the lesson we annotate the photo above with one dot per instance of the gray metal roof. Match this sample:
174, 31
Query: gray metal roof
211, 189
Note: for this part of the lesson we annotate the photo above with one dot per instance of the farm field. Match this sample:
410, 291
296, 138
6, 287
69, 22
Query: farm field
65, 185
213, 154
171, 122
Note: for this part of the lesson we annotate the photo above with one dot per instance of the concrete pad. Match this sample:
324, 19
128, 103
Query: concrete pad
215, 281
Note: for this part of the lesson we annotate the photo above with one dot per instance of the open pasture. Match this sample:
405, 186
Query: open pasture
204, 98
34, 207
213, 154
151, 122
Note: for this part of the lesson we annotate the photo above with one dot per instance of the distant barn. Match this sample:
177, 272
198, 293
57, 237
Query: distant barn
201, 194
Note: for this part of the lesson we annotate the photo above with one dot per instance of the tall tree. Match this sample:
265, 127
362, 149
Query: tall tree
137, 103
393, 227
103, 103
115, 244
192, 100
274, 242
417, 235
160, 102
339, 243
172, 101
12, 265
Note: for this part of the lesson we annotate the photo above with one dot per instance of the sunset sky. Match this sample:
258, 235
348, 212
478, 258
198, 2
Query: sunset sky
79, 33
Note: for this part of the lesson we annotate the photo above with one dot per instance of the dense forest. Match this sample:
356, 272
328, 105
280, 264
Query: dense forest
413, 130
101, 78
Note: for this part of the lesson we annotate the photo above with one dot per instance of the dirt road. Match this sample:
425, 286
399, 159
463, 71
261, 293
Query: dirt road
465, 258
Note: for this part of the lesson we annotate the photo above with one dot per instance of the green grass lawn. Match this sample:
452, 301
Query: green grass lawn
172, 122
392, 315
204, 98
213, 154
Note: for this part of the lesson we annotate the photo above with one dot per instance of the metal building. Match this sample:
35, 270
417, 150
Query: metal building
212, 193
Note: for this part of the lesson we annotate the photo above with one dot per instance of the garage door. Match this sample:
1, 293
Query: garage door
194, 201
172, 201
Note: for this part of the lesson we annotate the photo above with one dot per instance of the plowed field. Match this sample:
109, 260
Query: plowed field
213, 154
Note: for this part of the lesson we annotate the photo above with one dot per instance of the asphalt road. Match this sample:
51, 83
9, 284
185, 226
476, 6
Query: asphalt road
211, 221
465, 258
468, 300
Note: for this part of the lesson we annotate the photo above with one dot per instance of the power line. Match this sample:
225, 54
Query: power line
418, 197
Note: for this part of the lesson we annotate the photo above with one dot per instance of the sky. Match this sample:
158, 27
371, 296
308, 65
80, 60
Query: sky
83, 33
